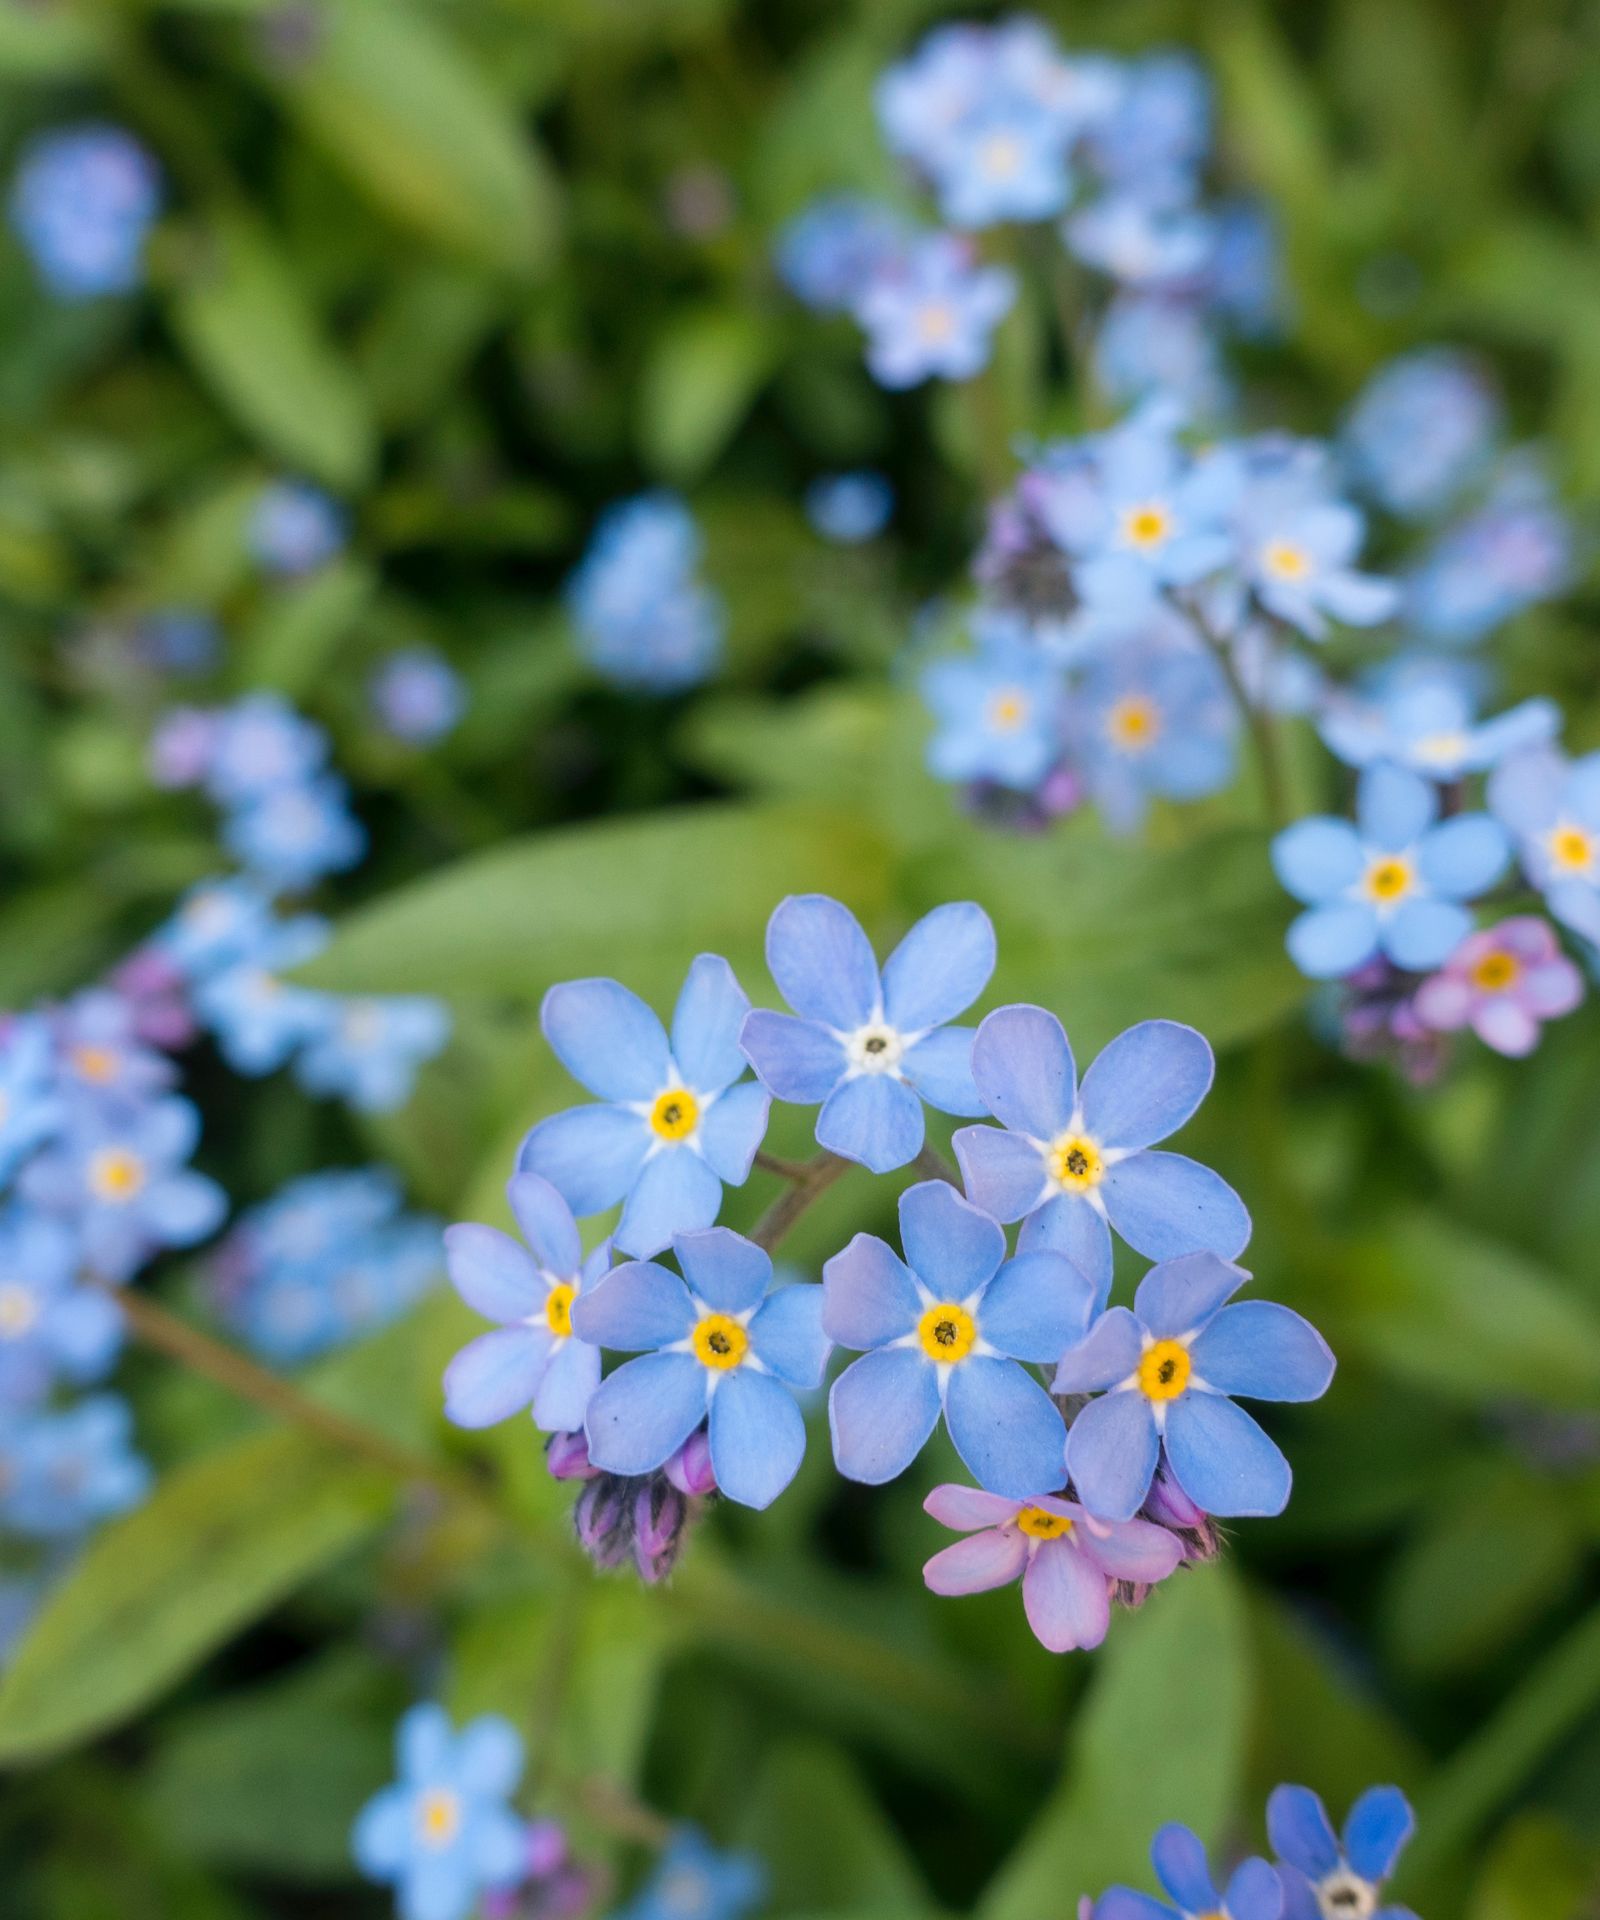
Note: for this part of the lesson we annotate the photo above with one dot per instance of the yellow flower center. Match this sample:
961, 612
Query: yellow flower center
1002, 156
1075, 1163
719, 1341
438, 1818
947, 1333
18, 1311
1440, 749
1285, 561
1496, 971
675, 1114
936, 323
1164, 1371
116, 1175
1038, 1523
1133, 723
98, 1064
558, 1308
1008, 710
1147, 525
1571, 849
1389, 878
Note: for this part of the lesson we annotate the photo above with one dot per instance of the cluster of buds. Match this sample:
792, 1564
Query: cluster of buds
1378, 1021
639, 1517
554, 1886
1006, 809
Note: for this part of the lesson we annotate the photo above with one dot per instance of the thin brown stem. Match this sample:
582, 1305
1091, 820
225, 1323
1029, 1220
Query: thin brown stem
609, 1804
814, 1179
933, 1163
784, 1169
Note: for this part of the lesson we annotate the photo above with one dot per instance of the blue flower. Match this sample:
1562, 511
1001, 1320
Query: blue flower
1070, 1159
366, 1049
1252, 1893
1148, 344
944, 1331
63, 1472
643, 618
30, 1104
827, 253
1428, 723
1552, 808
295, 834
1140, 244
1324, 1875
1297, 554
692, 1881
51, 1329
417, 696
295, 528
1420, 430
82, 204
1154, 138
676, 1121
1393, 883
534, 1359
444, 1832
1514, 551
1005, 161
1164, 1373
1152, 721
850, 507
871, 1047
258, 744
1243, 277
933, 314
715, 1346
98, 1051
998, 714
218, 924
258, 1020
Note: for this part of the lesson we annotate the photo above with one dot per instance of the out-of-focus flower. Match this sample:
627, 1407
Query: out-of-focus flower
1421, 431
998, 714
1503, 983
826, 254
1253, 1892
31, 1108
295, 528
62, 1472
1551, 806
1138, 243
260, 744
51, 1329
692, 1881
82, 203
1511, 553
294, 835
643, 617
1329, 1878
1428, 723
417, 696
367, 1048
99, 1053
258, 1021
182, 746
850, 507
933, 314
1151, 722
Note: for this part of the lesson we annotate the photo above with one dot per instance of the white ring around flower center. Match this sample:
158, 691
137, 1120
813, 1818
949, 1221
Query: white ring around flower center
875, 1048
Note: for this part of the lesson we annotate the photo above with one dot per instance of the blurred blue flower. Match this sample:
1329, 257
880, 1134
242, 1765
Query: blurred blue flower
417, 696
1139, 244
181, 640
295, 528
366, 1049
933, 314
1393, 883
721, 1346
643, 618
830, 250
1429, 724
1514, 551
1421, 431
1297, 553
849, 507
1006, 160
533, 1360
1155, 136
258, 744
871, 1047
51, 1329
445, 1832
692, 1881
30, 1102
257, 1020
998, 713
1164, 1373
99, 1053
676, 1119
61, 1472
294, 835
1154, 721
1551, 807
1243, 278
221, 924
944, 1331
82, 203
1148, 344
1074, 1162
1323, 1874
1253, 1892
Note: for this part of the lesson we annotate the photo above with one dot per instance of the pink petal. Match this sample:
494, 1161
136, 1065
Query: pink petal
981, 1561
1551, 989
967, 1508
1135, 1550
1444, 1002
1504, 1025
1066, 1598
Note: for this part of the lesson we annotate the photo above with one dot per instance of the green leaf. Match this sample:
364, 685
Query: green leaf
291, 642
1537, 1870
246, 324
218, 1543
1161, 1737
393, 99
702, 375
807, 1789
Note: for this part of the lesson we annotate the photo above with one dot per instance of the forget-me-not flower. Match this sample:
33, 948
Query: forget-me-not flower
417, 695
82, 204
715, 1346
51, 1329
827, 253
849, 507
292, 835
871, 1047
933, 313
1165, 1372
1420, 430
258, 1020
1429, 723
30, 1102
1329, 1877
295, 528
998, 713
1551, 806
1512, 552
367, 1048
1503, 982
643, 617
944, 1331
64, 1470
1298, 554
1152, 722
1253, 1892
258, 743
693, 1881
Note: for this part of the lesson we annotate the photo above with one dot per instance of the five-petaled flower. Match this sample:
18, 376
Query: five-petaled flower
868, 1045
1253, 1892
944, 1329
1503, 983
675, 1119
1165, 1372
1070, 1159
715, 1346
1329, 1878
1552, 807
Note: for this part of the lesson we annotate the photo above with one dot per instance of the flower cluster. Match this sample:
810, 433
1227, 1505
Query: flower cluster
1094, 1481
82, 204
1317, 1874
644, 619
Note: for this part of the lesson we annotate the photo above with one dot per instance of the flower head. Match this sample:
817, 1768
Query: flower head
1329, 1878
932, 313
292, 835
692, 1881
417, 696
51, 1329
295, 528
1152, 721
1551, 807
1514, 551
1420, 429
1503, 983
827, 253
644, 619
1428, 723
850, 508
367, 1048
31, 1108
61, 1472
82, 203
998, 714
1165, 1372
944, 1331
1254, 1891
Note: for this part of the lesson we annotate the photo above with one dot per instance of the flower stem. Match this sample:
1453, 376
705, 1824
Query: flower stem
1262, 732
933, 1163
811, 1181
784, 1169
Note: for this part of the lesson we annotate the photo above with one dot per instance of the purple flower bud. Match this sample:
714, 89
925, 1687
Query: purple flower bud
567, 1456
603, 1518
690, 1469
660, 1514
546, 1848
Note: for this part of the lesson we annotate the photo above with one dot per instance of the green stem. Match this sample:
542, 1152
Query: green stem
1263, 734
813, 1180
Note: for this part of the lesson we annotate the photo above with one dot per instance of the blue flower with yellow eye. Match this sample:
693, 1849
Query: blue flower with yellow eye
717, 1346
1552, 807
1393, 883
692, 1881
933, 313
1253, 1892
444, 1832
1429, 723
1327, 1876
51, 1329
676, 1118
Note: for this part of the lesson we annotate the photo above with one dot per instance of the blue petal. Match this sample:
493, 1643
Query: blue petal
1329, 942
491, 1272
676, 1193
184, 1206
1004, 1173
1254, 1892
567, 1387
881, 1411
636, 1306
1005, 1427
1394, 807
1146, 1084
1112, 1449
729, 1273
873, 1120
1069, 1225
423, 1743
950, 1245
1182, 1868
1264, 1352
1526, 791
1300, 1831
642, 1414
1108, 1353
939, 968
499, 1845
1164, 1204
1179, 1295
869, 1297
436, 1887
757, 1438
1024, 1070
1125, 1903
547, 1224
606, 1038
705, 1024
822, 961
733, 1128
590, 1155
1379, 1825
1036, 1306
495, 1375
488, 1759
798, 1060
381, 1837
1300, 1900
1318, 859
939, 1066
1222, 1459
787, 1335
1576, 904
1424, 933
1464, 856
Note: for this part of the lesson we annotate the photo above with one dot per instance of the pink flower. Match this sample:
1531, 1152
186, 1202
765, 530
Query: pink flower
1502, 983
1067, 1560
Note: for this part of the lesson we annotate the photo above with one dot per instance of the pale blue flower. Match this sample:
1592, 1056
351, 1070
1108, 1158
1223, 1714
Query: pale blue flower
1551, 806
934, 315
82, 204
